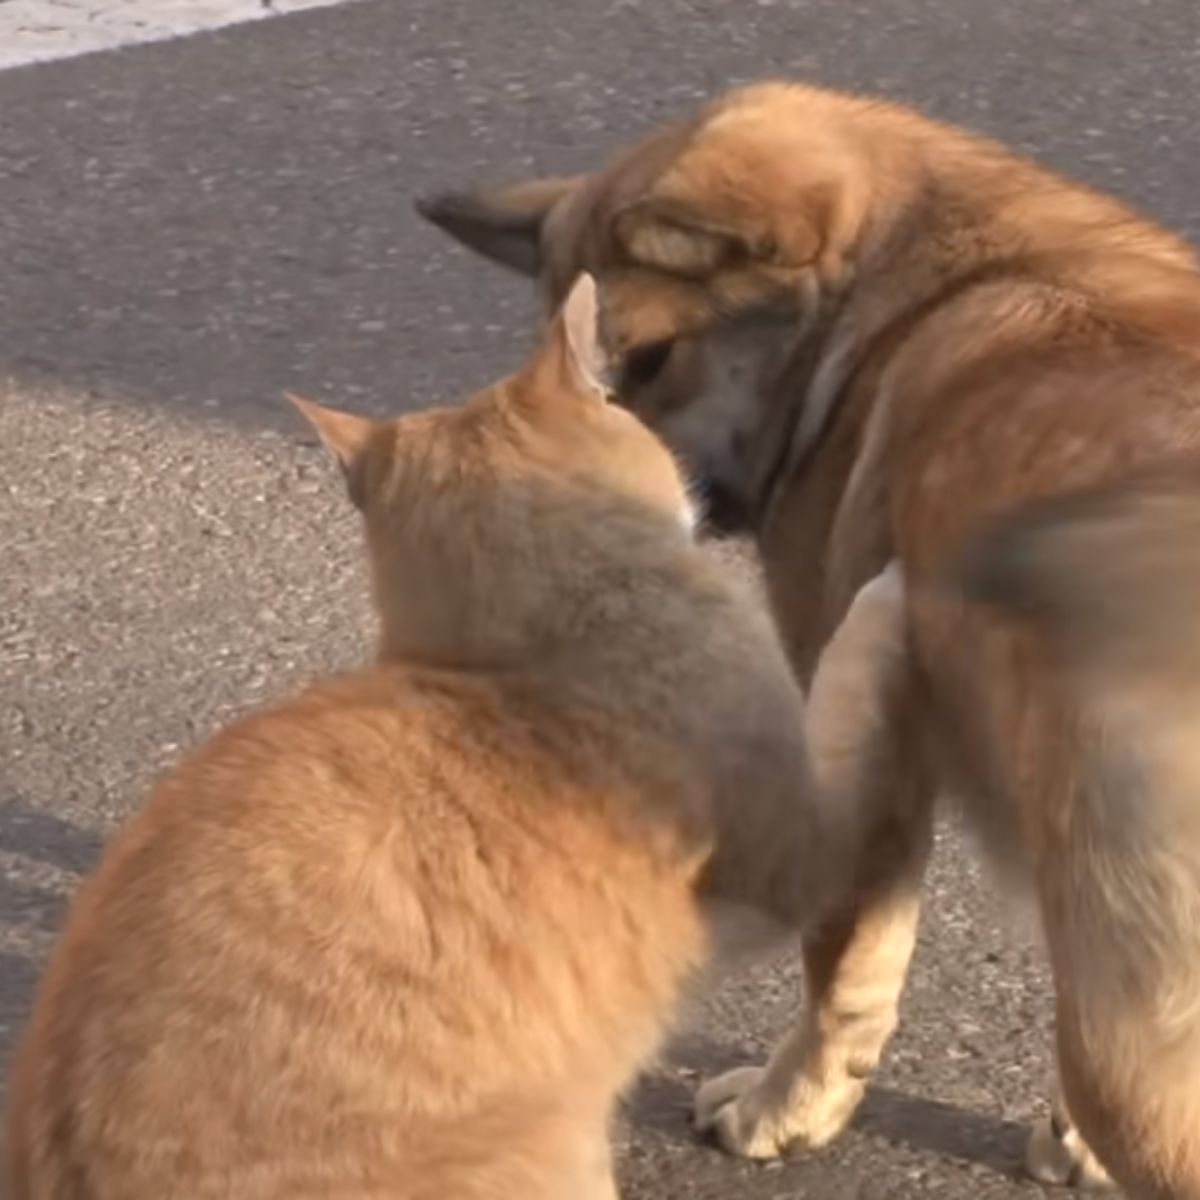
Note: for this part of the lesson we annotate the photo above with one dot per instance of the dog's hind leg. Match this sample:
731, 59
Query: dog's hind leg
1111, 579
1057, 1154
1128, 1009
1119, 885
860, 723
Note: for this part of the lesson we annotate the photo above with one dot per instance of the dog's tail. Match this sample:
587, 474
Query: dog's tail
1111, 578
1110, 575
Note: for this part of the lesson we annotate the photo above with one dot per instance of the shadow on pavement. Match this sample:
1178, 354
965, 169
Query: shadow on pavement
31, 912
202, 224
47, 838
18, 977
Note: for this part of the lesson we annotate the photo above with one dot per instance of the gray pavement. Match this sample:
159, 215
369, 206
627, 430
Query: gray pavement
188, 228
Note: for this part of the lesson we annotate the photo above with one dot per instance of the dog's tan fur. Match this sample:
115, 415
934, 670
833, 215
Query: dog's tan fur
408, 934
872, 333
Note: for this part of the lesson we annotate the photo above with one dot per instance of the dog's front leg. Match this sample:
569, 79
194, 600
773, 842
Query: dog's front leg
865, 751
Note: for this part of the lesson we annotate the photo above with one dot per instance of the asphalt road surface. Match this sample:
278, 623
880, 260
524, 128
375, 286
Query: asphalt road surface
188, 228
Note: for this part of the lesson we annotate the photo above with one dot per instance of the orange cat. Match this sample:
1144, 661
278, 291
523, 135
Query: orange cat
408, 934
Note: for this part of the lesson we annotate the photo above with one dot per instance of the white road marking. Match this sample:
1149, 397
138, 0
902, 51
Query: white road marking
34, 31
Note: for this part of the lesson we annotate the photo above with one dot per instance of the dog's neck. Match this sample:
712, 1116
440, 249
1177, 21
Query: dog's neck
828, 353
974, 212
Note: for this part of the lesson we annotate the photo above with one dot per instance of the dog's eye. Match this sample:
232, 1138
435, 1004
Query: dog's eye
645, 364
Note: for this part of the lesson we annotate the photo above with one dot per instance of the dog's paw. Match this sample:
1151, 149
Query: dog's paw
1056, 1154
724, 1111
737, 1112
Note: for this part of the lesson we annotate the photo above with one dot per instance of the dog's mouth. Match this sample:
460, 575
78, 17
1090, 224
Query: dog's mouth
726, 514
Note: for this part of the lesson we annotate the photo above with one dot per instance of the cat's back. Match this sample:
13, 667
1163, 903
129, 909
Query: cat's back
338, 927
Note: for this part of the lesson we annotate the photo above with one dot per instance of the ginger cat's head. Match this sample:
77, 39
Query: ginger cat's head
490, 525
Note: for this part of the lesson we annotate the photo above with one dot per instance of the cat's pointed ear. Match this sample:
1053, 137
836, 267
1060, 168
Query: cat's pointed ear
345, 436
572, 361
585, 355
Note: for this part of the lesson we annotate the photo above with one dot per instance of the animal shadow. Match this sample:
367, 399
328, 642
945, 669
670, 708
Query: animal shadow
47, 838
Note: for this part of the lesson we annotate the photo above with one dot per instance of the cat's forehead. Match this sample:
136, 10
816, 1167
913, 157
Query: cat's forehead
429, 427
438, 441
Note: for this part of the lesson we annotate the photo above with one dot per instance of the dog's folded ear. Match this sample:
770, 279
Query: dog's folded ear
669, 235
504, 223
735, 199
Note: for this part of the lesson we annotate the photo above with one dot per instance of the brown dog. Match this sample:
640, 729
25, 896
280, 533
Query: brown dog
872, 334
